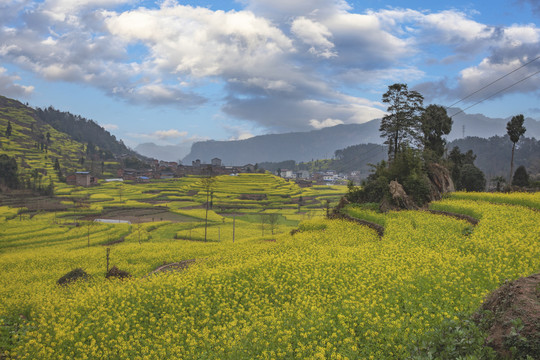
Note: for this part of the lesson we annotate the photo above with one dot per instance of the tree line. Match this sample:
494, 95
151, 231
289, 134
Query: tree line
83, 130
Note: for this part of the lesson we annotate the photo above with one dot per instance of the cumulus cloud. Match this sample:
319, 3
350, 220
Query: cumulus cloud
325, 123
10, 87
162, 135
110, 127
284, 10
315, 35
509, 63
237, 132
159, 93
201, 42
284, 65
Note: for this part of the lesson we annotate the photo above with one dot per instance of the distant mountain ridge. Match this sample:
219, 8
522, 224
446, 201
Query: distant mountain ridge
321, 144
298, 146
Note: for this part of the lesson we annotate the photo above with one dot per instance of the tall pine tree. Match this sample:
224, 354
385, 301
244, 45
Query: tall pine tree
402, 124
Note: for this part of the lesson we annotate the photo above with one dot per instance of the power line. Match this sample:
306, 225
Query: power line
494, 81
498, 92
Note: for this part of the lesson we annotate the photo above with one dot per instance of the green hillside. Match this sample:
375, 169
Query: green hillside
36, 145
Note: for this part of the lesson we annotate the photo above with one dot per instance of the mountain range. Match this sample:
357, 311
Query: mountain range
319, 144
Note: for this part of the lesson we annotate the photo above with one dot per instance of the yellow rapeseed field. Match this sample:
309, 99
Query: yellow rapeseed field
332, 290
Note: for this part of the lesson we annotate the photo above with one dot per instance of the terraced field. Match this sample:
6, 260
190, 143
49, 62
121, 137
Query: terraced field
332, 289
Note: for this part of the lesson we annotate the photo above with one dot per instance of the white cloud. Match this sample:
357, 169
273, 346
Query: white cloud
200, 42
169, 134
454, 27
67, 10
158, 93
10, 87
242, 136
281, 63
284, 10
162, 135
110, 127
325, 123
315, 35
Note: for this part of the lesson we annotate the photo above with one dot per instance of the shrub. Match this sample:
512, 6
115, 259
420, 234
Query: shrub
472, 178
417, 187
521, 177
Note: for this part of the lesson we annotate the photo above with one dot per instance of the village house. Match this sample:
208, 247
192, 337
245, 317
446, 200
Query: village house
302, 174
81, 178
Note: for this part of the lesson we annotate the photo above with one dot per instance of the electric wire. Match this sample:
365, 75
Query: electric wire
498, 92
493, 82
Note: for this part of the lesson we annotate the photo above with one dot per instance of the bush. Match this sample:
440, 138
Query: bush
521, 177
417, 187
408, 169
472, 178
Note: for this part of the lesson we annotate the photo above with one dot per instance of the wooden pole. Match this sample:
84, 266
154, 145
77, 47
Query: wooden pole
108, 252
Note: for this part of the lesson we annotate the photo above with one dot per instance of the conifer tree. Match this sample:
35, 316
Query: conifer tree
402, 124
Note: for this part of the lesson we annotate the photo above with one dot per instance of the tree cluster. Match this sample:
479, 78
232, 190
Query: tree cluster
11, 178
414, 135
83, 130
465, 174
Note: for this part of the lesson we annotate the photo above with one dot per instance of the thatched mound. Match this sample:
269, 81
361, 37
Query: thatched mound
511, 316
115, 272
73, 275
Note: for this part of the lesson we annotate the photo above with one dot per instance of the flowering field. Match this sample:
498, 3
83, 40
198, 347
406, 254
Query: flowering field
333, 289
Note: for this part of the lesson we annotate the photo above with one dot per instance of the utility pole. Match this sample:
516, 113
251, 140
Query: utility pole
207, 183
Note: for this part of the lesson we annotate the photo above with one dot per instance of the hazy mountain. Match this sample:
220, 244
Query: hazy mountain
163, 152
319, 144
493, 155
298, 146
482, 126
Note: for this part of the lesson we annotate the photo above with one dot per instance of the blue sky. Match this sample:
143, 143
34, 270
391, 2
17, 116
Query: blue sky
174, 72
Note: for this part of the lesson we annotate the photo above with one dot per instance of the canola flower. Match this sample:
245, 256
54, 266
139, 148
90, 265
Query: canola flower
333, 290
516, 198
